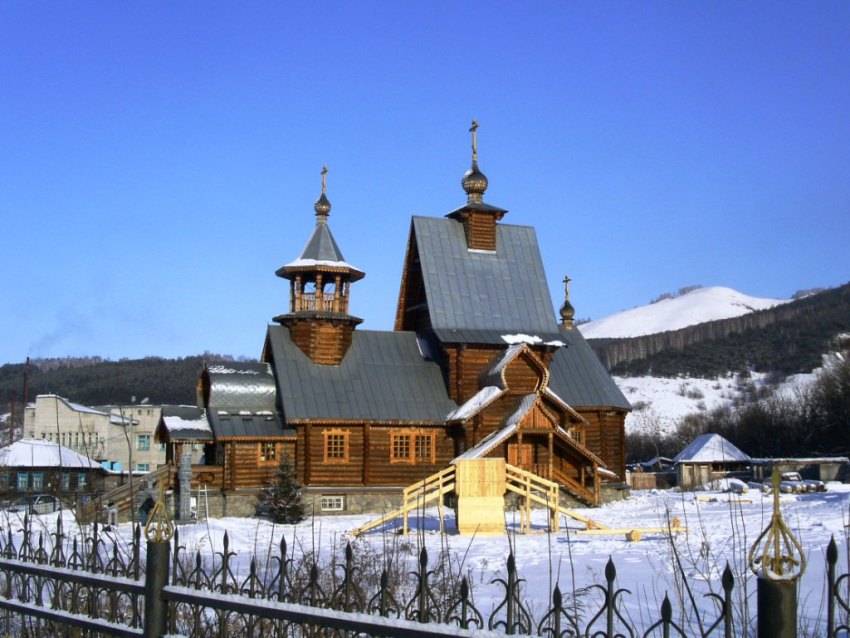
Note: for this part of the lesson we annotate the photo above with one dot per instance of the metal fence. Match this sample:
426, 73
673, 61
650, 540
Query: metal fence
54, 585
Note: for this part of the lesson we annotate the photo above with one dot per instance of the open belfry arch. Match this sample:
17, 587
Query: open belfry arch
478, 367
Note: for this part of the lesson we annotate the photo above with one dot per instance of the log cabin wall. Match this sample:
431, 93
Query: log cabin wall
605, 437
325, 342
402, 455
480, 230
412, 313
333, 454
525, 374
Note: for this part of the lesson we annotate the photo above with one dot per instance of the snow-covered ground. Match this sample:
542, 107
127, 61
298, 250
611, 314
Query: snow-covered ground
697, 306
721, 528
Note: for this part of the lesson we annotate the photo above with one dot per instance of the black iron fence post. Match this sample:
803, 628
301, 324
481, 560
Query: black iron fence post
777, 608
159, 531
156, 578
777, 557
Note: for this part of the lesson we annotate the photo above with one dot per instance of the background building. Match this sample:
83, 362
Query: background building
119, 437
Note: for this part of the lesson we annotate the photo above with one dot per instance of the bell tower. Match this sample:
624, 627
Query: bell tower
319, 285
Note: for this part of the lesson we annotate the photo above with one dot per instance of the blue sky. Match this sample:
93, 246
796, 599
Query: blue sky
158, 161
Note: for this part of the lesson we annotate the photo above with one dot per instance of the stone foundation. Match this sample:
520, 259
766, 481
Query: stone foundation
332, 501
351, 500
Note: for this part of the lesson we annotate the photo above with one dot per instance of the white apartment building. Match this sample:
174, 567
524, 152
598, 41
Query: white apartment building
119, 437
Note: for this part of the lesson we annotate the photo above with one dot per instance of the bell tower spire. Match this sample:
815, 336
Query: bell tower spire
478, 219
319, 285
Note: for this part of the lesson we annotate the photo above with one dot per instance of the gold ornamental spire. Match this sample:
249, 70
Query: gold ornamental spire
781, 557
322, 205
474, 182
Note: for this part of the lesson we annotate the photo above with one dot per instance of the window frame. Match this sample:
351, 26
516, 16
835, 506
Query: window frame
143, 447
413, 446
335, 446
262, 450
332, 502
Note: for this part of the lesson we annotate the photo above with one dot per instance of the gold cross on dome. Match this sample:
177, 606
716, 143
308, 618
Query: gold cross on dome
324, 179
474, 130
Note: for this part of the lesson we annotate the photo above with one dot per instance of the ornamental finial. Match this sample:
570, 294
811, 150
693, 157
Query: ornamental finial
568, 313
782, 557
474, 130
322, 205
159, 528
474, 182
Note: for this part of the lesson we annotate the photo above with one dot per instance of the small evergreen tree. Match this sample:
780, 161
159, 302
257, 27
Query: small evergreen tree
281, 501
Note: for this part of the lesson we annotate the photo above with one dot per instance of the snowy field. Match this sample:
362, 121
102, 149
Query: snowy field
721, 528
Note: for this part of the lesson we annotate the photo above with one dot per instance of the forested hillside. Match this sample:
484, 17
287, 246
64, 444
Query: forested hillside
93, 381
786, 339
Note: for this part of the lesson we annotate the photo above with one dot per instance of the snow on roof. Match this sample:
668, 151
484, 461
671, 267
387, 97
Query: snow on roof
523, 407
74, 406
530, 339
711, 448
309, 263
551, 394
174, 423
487, 443
218, 368
39, 453
521, 338
484, 397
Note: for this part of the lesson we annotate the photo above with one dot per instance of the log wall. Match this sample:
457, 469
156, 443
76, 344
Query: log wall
324, 342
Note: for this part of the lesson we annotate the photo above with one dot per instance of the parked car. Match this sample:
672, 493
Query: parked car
36, 504
805, 485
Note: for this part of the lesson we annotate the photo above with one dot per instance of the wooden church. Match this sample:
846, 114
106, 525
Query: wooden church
477, 366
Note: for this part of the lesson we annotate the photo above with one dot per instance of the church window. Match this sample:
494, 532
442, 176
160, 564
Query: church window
411, 446
424, 448
268, 451
336, 446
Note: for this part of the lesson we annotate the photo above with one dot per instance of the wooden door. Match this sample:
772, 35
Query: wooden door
521, 455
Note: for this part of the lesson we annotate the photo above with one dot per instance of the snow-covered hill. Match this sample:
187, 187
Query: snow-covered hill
697, 306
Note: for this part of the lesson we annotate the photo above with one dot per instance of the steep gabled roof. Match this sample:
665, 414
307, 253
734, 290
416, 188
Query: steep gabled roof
711, 448
383, 377
477, 296
578, 377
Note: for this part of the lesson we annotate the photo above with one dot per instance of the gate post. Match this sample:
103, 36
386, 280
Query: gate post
776, 608
158, 533
778, 560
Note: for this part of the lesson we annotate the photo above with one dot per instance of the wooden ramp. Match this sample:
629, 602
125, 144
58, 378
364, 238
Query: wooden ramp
480, 486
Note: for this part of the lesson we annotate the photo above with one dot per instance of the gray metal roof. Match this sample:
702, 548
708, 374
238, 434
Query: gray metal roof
184, 423
476, 296
241, 386
247, 425
579, 378
383, 377
321, 246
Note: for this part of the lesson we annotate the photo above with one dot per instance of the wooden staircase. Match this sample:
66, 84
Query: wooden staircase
532, 488
121, 497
